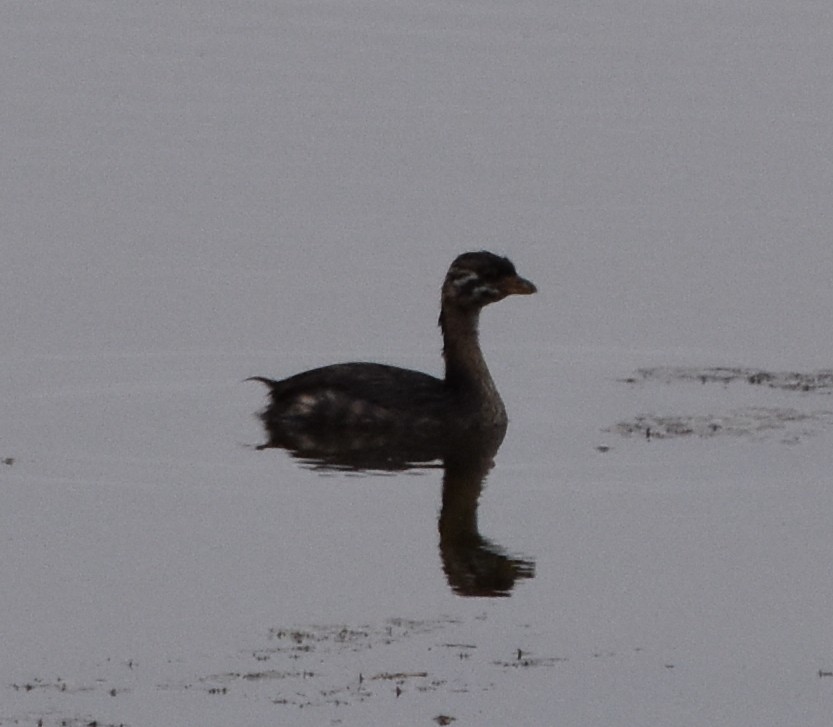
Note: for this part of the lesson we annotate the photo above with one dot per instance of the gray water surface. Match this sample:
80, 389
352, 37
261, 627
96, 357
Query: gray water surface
197, 193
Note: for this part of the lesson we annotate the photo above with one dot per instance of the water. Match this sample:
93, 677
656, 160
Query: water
197, 194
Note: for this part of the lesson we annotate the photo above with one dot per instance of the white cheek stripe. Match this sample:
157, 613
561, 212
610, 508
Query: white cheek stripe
462, 279
482, 291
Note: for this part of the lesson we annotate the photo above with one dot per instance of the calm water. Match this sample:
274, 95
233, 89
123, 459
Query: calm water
192, 198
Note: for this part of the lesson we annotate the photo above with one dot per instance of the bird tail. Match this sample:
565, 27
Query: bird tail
269, 382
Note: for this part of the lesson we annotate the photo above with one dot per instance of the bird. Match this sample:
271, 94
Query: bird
374, 397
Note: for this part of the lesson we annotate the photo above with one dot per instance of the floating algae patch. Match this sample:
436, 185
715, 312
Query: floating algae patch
787, 424
790, 426
339, 665
813, 381
407, 667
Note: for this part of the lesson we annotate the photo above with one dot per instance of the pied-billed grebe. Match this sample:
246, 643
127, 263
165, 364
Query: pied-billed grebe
371, 395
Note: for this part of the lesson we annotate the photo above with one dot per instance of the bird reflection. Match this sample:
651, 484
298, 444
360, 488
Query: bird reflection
473, 565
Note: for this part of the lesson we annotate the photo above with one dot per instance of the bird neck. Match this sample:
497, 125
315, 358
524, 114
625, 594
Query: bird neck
465, 368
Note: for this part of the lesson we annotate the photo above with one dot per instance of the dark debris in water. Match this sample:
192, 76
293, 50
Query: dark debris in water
529, 662
327, 666
790, 425
813, 381
444, 719
62, 722
315, 666
51, 685
67, 689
